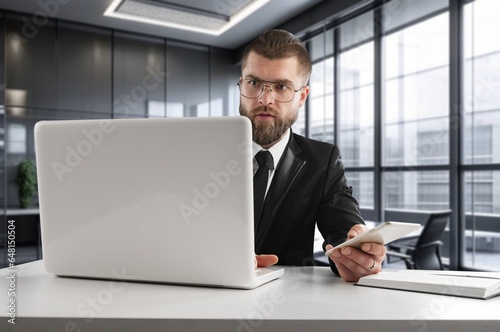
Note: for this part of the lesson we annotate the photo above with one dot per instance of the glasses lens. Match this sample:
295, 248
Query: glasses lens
250, 88
282, 92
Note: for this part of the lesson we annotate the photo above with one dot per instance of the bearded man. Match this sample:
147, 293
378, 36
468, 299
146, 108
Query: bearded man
303, 181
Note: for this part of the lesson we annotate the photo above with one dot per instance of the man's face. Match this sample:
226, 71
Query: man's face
271, 119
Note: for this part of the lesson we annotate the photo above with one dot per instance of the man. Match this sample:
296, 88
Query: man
305, 178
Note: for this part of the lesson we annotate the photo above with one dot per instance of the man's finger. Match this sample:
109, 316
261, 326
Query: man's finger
266, 260
356, 230
375, 249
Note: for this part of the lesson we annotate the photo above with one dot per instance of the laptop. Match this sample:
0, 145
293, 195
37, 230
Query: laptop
153, 200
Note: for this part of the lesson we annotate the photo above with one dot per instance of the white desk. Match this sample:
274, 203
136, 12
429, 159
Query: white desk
305, 299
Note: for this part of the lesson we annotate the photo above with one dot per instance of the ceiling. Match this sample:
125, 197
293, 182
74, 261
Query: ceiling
271, 14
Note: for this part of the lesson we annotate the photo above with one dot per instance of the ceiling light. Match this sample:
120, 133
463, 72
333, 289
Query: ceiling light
211, 17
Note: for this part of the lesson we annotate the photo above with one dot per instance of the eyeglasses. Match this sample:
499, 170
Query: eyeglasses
280, 92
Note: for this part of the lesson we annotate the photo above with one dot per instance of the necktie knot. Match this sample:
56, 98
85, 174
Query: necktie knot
264, 159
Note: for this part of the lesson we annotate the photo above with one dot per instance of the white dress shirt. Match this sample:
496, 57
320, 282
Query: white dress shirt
276, 151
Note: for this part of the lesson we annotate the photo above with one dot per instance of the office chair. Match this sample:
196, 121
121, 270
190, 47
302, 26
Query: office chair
423, 252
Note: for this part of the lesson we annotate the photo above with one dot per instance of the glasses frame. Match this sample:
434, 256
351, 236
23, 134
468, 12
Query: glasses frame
268, 85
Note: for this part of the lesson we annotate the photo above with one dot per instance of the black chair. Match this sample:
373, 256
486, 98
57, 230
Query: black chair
423, 252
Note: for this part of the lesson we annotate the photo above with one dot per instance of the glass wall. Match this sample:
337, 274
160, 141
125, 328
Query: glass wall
70, 71
84, 68
481, 133
356, 106
392, 66
355, 51
224, 93
356, 77
187, 94
363, 184
30, 67
138, 76
320, 100
416, 113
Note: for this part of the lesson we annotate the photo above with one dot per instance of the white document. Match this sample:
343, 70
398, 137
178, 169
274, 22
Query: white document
479, 285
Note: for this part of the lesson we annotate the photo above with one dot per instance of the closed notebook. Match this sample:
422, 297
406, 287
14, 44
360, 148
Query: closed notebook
479, 285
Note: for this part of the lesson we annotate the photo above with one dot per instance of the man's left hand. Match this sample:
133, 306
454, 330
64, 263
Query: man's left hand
352, 263
265, 260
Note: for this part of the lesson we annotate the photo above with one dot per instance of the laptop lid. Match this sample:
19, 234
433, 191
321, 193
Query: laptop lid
160, 200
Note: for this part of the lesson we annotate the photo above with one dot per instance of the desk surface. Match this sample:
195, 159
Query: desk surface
304, 299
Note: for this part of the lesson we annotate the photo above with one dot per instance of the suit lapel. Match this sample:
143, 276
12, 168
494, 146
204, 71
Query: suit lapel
286, 172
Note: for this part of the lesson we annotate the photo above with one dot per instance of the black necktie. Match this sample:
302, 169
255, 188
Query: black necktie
265, 161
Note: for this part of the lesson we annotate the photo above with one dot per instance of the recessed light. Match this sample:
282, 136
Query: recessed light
213, 18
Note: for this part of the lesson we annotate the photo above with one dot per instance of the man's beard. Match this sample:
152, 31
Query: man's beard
267, 132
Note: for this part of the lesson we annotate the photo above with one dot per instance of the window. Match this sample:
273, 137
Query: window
392, 66
417, 94
481, 136
362, 184
417, 190
16, 138
320, 100
356, 114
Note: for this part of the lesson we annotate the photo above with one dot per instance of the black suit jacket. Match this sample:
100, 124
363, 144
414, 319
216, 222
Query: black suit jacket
308, 187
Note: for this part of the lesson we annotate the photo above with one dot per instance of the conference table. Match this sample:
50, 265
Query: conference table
304, 299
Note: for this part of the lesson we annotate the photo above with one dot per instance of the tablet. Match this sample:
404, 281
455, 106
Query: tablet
383, 234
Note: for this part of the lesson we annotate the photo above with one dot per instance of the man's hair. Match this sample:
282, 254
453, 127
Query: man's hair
278, 44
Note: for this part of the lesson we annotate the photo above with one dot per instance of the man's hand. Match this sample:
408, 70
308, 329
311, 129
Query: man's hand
353, 263
265, 260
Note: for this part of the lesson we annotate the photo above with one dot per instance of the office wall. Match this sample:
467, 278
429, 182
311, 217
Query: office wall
65, 70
